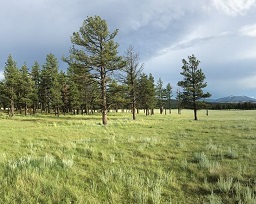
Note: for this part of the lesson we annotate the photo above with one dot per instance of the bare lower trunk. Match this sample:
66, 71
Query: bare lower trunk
104, 96
11, 113
133, 109
26, 106
104, 117
195, 112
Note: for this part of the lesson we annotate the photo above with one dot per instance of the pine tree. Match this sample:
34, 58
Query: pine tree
160, 95
97, 51
25, 88
4, 100
132, 72
35, 76
167, 97
179, 100
74, 93
147, 93
117, 95
193, 83
50, 93
11, 74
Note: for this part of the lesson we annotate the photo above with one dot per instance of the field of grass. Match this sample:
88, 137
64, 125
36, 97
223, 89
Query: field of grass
155, 159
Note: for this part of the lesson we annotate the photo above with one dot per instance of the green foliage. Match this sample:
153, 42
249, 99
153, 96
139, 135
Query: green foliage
132, 71
193, 83
50, 95
160, 94
97, 52
147, 92
11, 75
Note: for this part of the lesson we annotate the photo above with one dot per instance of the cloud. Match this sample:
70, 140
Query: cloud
221, 34
193, 42
249, 30
234, 7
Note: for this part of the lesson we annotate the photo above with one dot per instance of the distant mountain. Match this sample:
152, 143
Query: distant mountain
233, 99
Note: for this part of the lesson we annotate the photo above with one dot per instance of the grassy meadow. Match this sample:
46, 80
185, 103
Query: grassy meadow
155, 159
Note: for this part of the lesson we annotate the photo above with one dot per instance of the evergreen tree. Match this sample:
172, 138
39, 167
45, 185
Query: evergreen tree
117, 95
11, 74
25, 89
98, 52
35, 76
65, 92
168, 96
84, 90
160, 95
56, 93
132, 72
147, 93
179, 100
50, 95
4, 100
74, 93
193, 83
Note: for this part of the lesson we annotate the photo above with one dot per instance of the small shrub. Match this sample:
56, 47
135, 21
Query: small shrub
231, 154
202, 159
214, 199
249, 196
225, 185
67, 163
214, 168
184, 164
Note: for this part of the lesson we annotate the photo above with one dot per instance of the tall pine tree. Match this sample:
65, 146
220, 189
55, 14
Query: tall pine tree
132, 72
193, 83
11, 74
96, 50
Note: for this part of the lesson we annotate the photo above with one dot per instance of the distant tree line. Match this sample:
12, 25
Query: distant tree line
47, 89
233, 106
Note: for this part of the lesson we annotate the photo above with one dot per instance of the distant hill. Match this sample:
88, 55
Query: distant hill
233, 99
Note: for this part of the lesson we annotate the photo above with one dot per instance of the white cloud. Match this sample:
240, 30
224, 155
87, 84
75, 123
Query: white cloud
195, 38
234, 7
249, 30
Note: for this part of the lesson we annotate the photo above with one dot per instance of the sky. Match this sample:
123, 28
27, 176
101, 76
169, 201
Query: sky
220, 33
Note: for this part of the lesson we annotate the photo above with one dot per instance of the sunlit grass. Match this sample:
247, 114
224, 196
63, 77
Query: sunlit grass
155, 159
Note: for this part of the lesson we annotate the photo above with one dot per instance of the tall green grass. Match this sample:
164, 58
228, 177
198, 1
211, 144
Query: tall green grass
155, 159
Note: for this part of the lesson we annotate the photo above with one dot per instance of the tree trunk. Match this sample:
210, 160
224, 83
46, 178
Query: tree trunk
195, 114
161, 110
26, 106
133, 109
11, 113
12, 108
104, 96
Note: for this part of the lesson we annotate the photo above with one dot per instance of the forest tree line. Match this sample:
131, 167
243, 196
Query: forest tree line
48, 89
